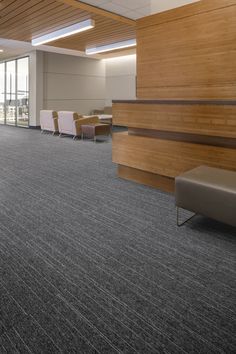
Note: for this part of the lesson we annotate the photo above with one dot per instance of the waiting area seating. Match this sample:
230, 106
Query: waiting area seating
49, 121
107, 110
71, 123
207, 191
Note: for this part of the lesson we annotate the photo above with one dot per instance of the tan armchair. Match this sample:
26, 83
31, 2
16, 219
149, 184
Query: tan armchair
105, 110
85, 121
70, 122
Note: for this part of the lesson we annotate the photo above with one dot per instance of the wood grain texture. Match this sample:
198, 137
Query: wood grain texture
166, 184
166, 157
186, 137
178, 13
24, 20
216, 120
188, 52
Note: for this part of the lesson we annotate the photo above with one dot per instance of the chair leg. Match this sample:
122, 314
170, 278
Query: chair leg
178, 218
41, 131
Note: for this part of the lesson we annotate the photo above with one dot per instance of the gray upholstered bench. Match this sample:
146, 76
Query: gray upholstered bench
207, 191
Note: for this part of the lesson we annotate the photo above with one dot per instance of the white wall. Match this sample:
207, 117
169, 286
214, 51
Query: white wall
159, 6
65, 82
73, 83
120, 78
35, 87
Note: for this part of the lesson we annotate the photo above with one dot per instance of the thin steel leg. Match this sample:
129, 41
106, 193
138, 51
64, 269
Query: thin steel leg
178, 218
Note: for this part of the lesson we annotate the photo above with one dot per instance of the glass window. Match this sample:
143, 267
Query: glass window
2, 93
11, 92
23, 91
14, 92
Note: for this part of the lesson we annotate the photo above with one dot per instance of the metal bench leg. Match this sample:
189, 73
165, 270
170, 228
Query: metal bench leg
178, 217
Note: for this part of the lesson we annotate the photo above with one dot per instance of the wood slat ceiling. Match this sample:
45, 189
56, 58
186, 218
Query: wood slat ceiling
26, 19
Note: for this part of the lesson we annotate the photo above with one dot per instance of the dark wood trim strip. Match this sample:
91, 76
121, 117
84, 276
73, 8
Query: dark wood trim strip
180, 102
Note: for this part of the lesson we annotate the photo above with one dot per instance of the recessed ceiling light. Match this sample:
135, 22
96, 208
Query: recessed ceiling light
112, 46
64, 32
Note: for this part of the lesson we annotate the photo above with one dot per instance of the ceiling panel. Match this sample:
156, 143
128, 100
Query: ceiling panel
133, 9
136, 9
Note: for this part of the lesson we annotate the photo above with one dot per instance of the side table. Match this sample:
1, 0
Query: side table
91, 131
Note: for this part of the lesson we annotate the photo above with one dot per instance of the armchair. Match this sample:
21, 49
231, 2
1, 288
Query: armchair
66, 122
49, 121
85, 121
70, 122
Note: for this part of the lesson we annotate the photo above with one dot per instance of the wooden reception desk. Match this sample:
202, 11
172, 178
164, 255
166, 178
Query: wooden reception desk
168, 137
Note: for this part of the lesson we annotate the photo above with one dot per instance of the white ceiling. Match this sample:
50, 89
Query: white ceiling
13, 49
135, 9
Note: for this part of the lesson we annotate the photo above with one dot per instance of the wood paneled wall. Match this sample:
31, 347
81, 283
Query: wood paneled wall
188, 52
167, 157
188, 117
185, 115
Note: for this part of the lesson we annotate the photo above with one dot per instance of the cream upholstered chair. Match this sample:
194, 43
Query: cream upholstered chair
70, 122
49, 121
66, 122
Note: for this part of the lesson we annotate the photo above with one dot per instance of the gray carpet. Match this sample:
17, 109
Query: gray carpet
90, 263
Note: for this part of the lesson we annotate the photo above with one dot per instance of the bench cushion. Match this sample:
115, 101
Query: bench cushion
208, 191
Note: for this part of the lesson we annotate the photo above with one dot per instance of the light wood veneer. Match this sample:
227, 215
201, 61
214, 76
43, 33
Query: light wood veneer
205, 119
188, 52
166, 157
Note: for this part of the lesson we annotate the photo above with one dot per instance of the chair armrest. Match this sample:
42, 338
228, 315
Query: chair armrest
85, 121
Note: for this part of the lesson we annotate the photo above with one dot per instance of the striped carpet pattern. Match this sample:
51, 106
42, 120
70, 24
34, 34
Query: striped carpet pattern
90, 263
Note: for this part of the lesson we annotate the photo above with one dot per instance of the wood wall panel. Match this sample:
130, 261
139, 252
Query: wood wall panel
166, 157
206, 119
167, 184
187, 53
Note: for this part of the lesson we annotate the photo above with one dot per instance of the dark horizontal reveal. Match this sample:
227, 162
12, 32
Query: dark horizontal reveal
185, 137
180, 102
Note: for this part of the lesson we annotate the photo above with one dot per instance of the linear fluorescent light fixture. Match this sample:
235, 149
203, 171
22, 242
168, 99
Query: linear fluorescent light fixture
112, 46
64, 32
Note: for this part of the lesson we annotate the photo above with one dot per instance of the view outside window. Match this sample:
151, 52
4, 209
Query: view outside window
14, 89
23, 91
2, 91
11, 92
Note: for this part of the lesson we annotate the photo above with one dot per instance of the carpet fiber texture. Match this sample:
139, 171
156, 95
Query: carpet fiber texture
90, 263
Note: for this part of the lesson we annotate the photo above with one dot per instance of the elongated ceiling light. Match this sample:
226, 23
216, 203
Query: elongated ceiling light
112, 46
64, 32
